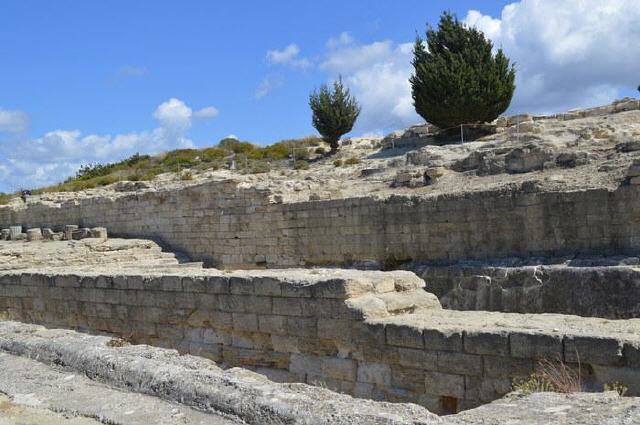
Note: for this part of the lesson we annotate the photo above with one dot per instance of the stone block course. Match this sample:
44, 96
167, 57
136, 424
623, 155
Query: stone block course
430, 356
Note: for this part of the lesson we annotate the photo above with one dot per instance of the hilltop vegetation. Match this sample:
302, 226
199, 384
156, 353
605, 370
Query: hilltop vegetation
245, 157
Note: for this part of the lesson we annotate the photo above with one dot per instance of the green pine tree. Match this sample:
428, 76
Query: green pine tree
457, 79
334, 112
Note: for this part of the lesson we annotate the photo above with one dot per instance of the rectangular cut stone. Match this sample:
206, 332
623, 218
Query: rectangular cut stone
459, 363
408, 378
506, 367
596, 350
273, 324
404, 336
486, 343
535, 346
343, 369
444, 384
417, 358
245, 322
287, 306
442, 341
375, 373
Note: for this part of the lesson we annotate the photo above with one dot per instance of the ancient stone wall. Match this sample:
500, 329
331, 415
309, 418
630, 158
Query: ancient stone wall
371, 334
224, 224
608, 291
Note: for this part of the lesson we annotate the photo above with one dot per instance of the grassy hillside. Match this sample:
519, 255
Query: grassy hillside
248, 158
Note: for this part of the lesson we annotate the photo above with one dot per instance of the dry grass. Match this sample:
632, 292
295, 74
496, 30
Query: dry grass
552, 376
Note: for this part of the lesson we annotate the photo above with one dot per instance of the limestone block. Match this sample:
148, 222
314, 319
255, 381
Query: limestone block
303, 326
535, 346
634, 170
245, 322
273, 324
407, 378
444, 384
5, 234
459, 363
435, 339
287, 306
416, 358
594, 350
47, 234
507, 367
375, 373
99, 232
68, 231
404, 336
14, 232
303, 365
34, 234
81, 233
486, 343
336, 368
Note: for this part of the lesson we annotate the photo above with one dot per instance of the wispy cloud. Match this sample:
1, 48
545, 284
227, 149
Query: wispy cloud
268, 84
13, 121
288, 56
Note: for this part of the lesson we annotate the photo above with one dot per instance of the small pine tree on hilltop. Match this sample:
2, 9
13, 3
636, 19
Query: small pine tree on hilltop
457, 79
334, 112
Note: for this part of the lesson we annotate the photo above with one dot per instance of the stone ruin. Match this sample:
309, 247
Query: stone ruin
436, 300
69, 232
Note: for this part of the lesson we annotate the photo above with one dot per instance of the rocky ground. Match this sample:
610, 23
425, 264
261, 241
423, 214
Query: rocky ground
86, 254
542, 153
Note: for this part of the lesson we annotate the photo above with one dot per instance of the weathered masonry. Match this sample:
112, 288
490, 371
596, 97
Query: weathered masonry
224, 224
371, 334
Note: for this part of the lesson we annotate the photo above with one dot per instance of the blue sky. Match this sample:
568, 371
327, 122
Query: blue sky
88, 81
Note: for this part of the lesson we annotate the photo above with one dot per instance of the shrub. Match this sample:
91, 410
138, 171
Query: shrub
181, 157
337, 163
92, 170
334, 112
259, 167
5, 198
186, 175
301, 165
552, 376
618, 387
457, 79
135, 159
213, 154
236, 146
320, 151
352, 161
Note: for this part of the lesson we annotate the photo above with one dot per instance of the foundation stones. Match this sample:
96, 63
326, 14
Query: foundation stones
34, 234
15, 232
68, 231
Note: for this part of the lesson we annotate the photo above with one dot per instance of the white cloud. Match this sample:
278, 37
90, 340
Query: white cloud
13, 121
174, 114
343, 39
59, 153
568, 54
288, 56
378, 76
206, 113
267, 85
